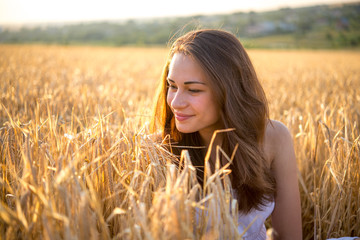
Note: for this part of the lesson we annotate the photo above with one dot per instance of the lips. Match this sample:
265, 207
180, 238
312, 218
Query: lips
182, 117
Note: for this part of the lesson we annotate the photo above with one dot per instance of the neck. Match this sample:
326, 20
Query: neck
211, 141
207, 136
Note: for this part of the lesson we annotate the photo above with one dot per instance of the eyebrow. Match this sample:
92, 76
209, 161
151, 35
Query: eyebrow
186, 83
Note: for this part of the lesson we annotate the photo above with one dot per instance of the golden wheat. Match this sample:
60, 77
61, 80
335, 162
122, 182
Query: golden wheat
76, 160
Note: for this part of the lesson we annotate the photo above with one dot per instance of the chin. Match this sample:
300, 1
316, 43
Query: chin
184, 130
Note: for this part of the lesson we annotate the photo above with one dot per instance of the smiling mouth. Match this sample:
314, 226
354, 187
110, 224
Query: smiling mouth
182, 117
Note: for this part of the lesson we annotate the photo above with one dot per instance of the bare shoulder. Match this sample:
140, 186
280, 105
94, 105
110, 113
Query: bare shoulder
277, 137
286, 217
276, 130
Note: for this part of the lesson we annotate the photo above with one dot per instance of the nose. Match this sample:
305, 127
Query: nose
177, 100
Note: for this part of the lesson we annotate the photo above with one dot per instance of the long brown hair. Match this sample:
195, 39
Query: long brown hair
238, 92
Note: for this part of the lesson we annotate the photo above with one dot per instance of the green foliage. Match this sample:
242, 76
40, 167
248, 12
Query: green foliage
323, 26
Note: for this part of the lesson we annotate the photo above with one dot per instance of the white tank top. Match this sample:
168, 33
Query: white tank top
255, 219
257, 230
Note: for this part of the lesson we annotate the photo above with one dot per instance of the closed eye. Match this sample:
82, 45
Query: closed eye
173, 87
195, 90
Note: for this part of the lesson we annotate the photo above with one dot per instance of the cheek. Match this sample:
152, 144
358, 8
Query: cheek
209, 107
205, 103
169, 98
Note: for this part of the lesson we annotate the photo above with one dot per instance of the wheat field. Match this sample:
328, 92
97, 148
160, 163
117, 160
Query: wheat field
77, 161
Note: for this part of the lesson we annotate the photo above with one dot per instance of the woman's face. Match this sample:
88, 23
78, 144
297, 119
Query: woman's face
191, 98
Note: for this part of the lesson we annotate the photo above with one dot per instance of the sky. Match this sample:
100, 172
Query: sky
19, 12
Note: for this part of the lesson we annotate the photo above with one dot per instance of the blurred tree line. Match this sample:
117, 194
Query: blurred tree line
323, 26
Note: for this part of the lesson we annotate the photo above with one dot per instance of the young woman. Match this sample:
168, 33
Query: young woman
209, 84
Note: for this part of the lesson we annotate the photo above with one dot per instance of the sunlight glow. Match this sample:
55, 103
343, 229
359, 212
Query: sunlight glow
42, 11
